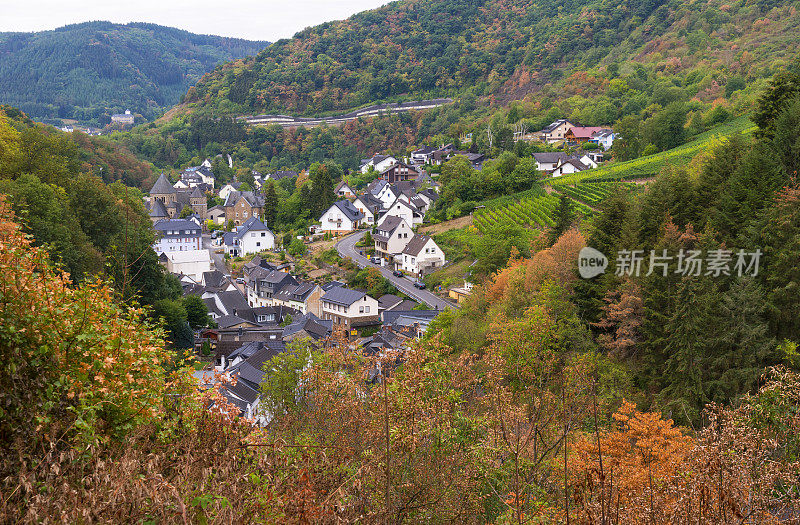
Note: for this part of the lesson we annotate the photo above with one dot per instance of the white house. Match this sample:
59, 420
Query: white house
422, 155
421, 255
588, 161
251, 237
405, 210
227, 189
192, 263
387, 194
348, 308
604, 138
391, 238
369, 206
341, 217
378, 162
177, 235
548, 161
568, 166
344, 190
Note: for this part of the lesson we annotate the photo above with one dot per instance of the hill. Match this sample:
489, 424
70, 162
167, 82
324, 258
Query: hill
506, 49
90, 70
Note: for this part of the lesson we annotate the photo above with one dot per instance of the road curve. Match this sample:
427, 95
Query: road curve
346, 248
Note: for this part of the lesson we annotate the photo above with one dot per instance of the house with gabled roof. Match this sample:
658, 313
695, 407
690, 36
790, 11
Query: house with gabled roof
403, 208
348, 308
422, 155
242, 205
568, 166
399, 171
344, 190
341, 217
391, 237
378, 162
375, 187
604, 138
546, 162
303, 296
262, 285
370, 206
421, 256
251, 237
556, 130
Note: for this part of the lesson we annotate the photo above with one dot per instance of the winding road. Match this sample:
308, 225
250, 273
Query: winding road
347, 248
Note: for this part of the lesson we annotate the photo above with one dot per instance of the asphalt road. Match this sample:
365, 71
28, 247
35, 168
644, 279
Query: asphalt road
217, 258
346, 248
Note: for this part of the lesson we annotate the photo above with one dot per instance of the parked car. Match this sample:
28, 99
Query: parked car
240, 280
398, 273
375, 260
419, 284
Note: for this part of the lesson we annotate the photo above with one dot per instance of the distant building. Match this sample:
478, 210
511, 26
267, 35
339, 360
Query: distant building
379, 163
556, 131
123, 118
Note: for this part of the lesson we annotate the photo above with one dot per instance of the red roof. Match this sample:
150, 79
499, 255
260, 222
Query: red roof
584, 132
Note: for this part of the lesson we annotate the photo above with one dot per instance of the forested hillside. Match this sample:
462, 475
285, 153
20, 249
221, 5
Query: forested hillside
507, 48
88, 71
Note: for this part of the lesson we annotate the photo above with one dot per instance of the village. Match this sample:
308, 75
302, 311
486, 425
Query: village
258, 302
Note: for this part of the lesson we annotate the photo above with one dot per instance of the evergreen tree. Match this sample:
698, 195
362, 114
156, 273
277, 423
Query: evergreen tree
564, 216
270, 204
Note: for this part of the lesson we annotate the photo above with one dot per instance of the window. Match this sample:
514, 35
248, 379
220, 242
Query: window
361, 309
366, 309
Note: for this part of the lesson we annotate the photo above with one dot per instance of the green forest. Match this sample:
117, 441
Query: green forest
89, 71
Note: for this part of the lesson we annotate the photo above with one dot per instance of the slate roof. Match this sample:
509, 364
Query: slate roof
233, 301
297, 292
376, 186
372, 203
390, 316
575, 162
311, 324
176, 224
388, 300
253, 199
342, 296
162, 186
550, 157
390, 224
159, 210
214, 279
226, 321
431, 194
416, 244
553, 125
349, 211
333, 284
